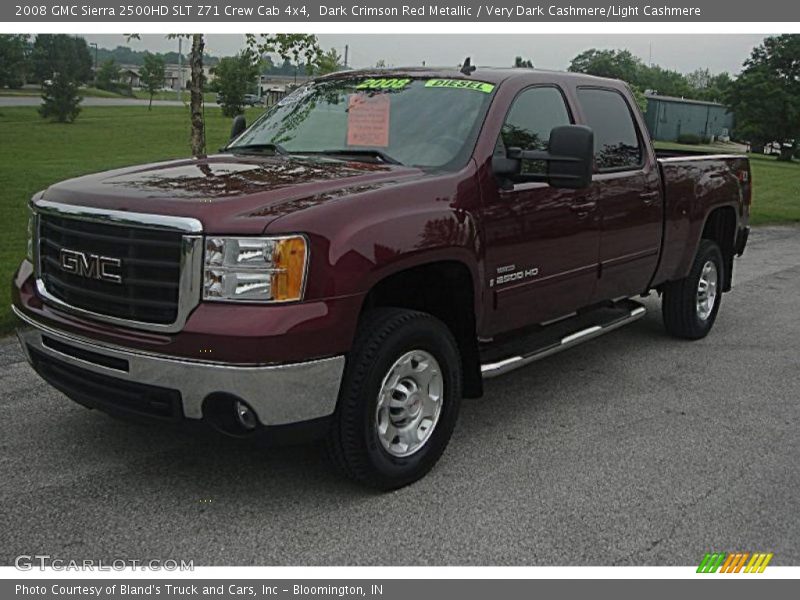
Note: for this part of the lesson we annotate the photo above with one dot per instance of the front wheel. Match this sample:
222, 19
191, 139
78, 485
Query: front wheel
399, 399
690, 305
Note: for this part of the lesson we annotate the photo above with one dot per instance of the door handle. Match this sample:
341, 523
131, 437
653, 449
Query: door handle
649, 197
583, 207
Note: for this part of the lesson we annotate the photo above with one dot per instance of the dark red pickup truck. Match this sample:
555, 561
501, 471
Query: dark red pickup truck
371, 248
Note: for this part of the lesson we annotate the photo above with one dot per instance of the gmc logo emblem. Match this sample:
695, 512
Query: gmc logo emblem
91, 266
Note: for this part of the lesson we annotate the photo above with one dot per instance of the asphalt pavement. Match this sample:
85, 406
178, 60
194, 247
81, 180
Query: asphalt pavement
634, 448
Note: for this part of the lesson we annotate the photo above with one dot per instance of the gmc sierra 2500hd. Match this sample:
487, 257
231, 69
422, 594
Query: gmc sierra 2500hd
368, 251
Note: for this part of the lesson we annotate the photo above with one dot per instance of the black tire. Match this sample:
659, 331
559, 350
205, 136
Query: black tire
679, 302
384, 335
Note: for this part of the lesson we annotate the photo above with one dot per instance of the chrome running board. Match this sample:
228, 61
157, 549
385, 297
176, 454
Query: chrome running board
629, 311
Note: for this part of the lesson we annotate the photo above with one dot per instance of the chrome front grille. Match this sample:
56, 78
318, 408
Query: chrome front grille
129, 269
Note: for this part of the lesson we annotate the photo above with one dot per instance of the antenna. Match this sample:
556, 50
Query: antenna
467, 68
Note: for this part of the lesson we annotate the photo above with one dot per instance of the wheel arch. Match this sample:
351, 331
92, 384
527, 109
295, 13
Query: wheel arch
445, 289
720, 227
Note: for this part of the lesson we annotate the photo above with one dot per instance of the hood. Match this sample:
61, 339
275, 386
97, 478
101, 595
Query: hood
228, 193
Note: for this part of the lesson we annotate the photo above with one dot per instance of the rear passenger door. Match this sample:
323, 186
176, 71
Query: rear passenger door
626, 187
541, 242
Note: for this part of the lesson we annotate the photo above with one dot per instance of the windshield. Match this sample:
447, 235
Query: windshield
428, 123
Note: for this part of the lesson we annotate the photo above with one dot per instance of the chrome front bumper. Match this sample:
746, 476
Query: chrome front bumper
279, 394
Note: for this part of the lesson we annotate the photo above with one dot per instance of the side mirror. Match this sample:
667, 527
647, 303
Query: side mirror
238, 126
569, 158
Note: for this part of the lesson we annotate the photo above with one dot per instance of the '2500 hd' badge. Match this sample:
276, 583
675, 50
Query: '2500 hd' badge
509, 273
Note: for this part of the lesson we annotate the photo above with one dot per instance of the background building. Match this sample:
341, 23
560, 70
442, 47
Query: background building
668, 118
175, 76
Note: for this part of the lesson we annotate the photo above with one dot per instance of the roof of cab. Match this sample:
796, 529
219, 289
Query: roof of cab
494, 75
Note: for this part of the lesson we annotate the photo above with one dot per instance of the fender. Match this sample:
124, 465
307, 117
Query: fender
383, 232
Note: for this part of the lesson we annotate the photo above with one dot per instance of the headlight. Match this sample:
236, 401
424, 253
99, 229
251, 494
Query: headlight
254, 269
31, 227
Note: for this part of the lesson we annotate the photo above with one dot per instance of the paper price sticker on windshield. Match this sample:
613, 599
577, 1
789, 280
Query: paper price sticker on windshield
368, 120
460, 84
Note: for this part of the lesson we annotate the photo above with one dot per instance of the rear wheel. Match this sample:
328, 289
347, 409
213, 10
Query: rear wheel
399, 399
690, 306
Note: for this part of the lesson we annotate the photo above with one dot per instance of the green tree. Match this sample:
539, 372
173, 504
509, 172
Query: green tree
64, 54
13, 60
289, 46
705, 86
766, 96
718, 89
621, 64
663, 81
152, 75
125, 55
521, 63
60, 99
108, 75
616, 64
234, 76
197, 80
699, 79
640, 98
286, 45
328, 62
62, 63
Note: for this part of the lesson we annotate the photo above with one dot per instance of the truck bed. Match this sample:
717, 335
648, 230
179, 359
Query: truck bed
695, 183
689, 153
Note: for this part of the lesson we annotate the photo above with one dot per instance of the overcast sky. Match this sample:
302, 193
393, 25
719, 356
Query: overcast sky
683, 53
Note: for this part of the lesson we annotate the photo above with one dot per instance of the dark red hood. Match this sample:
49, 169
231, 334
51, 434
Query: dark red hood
228, 193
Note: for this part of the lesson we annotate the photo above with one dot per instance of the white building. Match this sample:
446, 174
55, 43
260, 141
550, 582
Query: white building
176, 76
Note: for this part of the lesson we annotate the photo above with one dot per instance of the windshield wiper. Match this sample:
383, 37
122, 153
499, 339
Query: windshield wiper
258, 148
357, 152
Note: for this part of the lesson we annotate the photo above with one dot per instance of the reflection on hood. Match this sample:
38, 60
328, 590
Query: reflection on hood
219, 178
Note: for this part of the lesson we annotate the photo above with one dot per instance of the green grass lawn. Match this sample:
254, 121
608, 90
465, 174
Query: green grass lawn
142, 94
776, 191
86, 92
19, 92
35, 153
91, 92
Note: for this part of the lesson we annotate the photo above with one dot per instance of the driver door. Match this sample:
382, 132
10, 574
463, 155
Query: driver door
542, 243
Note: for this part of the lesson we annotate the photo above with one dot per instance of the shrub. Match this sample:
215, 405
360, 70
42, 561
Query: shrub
108, 76
61, 63
235, 75
689, 138
61, 101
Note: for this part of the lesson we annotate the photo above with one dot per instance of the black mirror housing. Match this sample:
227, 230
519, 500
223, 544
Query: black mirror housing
569, 158
238, 126
572, 157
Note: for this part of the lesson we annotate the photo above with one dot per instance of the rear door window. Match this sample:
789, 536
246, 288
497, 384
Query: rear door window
617, 145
